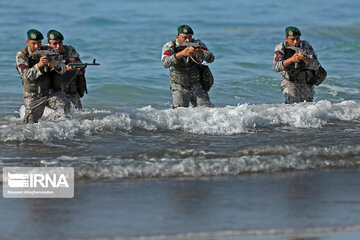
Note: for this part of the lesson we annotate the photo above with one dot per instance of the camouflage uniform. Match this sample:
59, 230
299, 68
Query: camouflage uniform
185, 76
38, 91
76, 89
298, 80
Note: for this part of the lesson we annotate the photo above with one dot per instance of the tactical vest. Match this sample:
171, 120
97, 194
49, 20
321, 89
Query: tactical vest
60, 82
40, 85
185, 72
296, 72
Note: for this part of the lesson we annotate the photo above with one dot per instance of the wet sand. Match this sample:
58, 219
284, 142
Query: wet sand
317, 204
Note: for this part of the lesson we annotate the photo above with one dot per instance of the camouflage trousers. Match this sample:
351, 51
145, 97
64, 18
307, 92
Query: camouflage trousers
194, 94
297, 92
35, 105
75, 100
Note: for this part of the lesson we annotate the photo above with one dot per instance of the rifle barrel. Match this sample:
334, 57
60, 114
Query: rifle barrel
84, 65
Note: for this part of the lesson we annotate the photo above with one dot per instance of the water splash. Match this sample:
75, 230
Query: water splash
229, 120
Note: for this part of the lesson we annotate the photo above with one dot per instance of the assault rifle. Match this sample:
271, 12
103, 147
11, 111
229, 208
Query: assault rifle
189, 44
42, 53
80, 66
300, 50
184, 45
304, 52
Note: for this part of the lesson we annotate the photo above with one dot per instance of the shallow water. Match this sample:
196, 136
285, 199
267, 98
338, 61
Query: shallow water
128, 129
313, 204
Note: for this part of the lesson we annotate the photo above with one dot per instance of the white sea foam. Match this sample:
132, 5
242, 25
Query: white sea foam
194, 163
227, 120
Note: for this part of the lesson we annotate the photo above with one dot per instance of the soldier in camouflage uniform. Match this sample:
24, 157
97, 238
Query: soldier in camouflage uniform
72, 83
299, 67
184, 71
35, 75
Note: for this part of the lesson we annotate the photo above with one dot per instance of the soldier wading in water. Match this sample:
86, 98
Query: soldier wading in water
35, 71
72, 83
299, 67
185, 68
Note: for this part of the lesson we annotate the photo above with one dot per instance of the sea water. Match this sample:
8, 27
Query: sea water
128, 128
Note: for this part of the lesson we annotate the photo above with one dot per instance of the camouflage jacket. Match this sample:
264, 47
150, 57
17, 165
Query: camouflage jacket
283, 52
183, 71
296, 72
33, 78
69, 54
60, 82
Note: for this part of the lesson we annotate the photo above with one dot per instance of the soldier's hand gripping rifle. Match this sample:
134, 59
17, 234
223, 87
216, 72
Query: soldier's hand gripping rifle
42, 53
184, 45
320, 74
299, 50
79, 67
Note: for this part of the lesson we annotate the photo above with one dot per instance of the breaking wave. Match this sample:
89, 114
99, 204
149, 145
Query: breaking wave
229, 120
